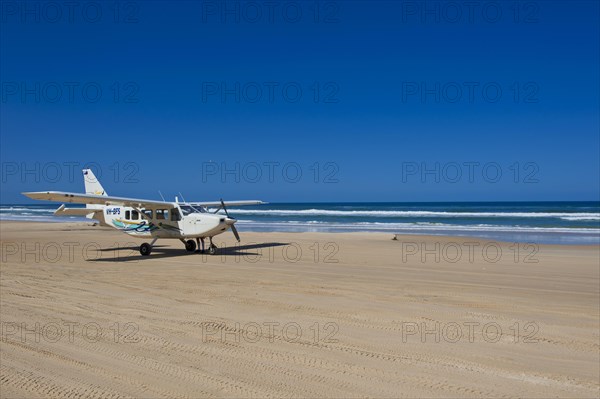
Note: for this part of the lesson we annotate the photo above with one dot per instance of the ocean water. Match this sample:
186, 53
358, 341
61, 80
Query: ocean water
538, 222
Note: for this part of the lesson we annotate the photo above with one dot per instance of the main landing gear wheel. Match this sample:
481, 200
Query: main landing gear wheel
145, 249
190, 245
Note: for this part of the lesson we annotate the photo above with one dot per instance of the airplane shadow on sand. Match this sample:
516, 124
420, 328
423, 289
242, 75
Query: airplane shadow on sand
131, 253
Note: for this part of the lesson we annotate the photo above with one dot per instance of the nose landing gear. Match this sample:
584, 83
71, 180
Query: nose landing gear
190, 246
212, 248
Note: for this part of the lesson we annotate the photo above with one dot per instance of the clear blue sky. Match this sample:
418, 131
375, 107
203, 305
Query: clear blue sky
400, 87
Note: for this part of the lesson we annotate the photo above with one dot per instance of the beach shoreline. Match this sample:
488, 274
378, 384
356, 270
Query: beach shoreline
549, 222
390, 234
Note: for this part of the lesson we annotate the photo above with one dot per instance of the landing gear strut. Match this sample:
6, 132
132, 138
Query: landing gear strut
146, 248
200, 246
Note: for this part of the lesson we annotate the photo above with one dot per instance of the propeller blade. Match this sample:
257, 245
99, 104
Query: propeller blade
235, 232
223, 206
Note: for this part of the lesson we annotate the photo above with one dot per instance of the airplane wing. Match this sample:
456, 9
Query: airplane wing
78, 198
213, 204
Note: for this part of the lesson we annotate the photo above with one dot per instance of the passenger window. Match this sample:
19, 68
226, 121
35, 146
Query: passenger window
148, 213
162, 214
135, 215
175, 216
127, 215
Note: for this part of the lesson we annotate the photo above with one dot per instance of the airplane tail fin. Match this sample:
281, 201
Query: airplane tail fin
92, 186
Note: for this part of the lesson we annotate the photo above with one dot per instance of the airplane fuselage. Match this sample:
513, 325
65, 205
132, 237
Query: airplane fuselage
163, 222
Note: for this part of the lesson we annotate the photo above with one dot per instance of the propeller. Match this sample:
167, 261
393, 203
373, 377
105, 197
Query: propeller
233, 229
224, 208
235, 232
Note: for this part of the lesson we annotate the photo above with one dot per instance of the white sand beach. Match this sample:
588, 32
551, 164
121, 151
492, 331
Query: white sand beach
295, 315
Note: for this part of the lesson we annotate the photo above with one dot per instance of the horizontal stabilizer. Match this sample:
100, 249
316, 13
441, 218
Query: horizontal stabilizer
62, 211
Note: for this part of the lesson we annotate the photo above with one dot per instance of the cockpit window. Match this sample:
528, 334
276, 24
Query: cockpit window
162, 214
187, 209
175, 216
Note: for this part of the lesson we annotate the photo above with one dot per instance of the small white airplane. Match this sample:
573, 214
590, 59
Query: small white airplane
142, 218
